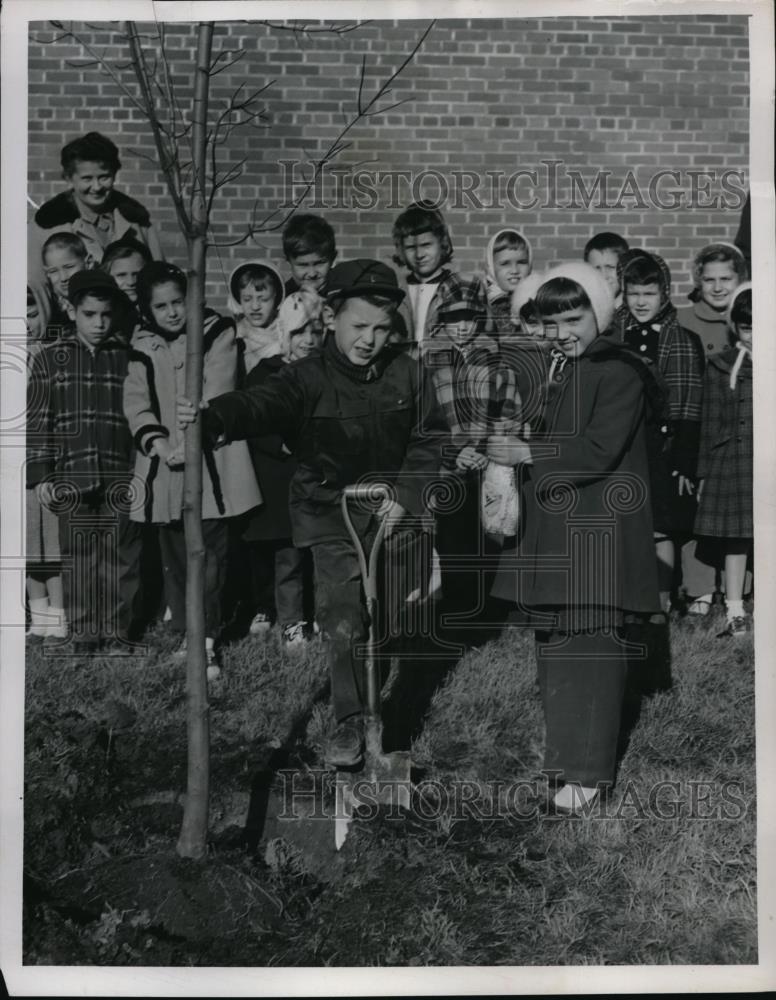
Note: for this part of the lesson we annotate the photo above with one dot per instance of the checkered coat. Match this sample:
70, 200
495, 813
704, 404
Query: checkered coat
726, 454
77, 433
473, 388
451, 288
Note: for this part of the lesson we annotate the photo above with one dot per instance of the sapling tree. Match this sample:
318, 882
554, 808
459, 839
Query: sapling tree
191, 136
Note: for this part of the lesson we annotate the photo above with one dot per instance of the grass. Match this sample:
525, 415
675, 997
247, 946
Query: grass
664, 872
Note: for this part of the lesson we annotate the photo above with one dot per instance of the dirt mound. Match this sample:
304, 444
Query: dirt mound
180, 898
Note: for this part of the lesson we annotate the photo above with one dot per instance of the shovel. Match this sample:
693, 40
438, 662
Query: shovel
385, 778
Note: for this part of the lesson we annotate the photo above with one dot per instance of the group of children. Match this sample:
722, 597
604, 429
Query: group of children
582, 392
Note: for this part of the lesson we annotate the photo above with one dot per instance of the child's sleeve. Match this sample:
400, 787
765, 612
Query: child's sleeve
142, 415
277, 406
41, 451
423, 458
685, 383
219, 368
600, 446
711, 422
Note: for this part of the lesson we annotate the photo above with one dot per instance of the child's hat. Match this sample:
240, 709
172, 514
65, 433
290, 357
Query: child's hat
363, 277
630, 257
594, 286
745, 286
525, 291
298, 309
239, 271
93, 280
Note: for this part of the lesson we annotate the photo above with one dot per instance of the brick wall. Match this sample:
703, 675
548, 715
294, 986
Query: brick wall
564, 97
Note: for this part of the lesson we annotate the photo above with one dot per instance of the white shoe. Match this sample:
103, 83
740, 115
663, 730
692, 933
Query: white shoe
701, 605
261, 623
295, 635
574, 799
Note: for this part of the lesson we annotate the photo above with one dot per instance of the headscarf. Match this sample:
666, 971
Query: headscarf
492, 288
744, 350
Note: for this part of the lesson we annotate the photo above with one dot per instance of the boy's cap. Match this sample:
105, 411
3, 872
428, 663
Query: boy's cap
367, 277
93, 280
459, 311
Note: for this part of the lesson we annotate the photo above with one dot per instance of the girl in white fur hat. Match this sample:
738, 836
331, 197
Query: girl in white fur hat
586, 556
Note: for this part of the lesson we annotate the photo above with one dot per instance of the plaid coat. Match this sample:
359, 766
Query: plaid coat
451, 288
77, 433
679, 366
726, 453
473, 388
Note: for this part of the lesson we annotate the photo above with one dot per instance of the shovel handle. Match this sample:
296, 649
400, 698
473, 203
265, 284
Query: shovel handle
373, 492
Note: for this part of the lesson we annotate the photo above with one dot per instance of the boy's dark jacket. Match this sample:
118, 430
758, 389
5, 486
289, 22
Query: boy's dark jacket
348, 424
76, 429
587, 523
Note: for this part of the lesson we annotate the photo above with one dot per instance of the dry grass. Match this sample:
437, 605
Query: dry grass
664, 872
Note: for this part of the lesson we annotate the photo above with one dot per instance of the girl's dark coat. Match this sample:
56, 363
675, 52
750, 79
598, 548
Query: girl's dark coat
274, 470
588, 538
726, 455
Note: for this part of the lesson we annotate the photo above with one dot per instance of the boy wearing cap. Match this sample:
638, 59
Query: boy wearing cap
80, 459
359, 409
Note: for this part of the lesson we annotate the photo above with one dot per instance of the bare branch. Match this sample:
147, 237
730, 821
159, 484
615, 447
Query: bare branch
97, 60
305, 28
237, 54
277, 218
389, 107
167, 152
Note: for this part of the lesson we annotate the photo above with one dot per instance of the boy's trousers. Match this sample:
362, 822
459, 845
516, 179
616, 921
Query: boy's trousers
101, 550
278, 568
463, 547
341, 613
582, 683
172, 542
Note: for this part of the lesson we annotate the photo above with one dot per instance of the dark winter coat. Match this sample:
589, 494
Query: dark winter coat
587, 550
274, 470
726, 456
76, 429
347, 424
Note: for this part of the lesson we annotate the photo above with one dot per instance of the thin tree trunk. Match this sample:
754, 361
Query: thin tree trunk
192, 842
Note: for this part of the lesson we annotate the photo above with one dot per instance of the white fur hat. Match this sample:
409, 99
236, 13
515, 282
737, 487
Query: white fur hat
526, 290
595, 287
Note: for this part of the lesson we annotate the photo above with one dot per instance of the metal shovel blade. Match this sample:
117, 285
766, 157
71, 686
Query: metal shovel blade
384, 780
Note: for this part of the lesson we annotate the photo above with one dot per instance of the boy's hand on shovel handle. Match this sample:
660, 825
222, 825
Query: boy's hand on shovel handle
391, 512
